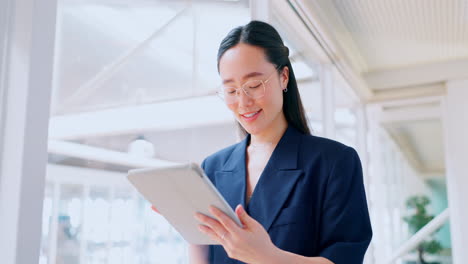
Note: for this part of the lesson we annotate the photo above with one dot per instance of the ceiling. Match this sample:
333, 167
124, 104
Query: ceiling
399, 33
400, 50
393, 39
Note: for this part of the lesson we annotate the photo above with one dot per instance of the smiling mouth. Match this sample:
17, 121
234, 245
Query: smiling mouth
251, 115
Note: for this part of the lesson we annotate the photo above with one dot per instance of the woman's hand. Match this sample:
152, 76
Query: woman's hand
250, 243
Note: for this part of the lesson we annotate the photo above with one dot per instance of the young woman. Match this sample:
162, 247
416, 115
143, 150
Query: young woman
300, 198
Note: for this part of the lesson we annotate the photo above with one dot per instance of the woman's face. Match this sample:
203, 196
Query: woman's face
243, 63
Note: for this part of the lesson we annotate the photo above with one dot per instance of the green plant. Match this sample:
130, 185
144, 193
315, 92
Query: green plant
418, 220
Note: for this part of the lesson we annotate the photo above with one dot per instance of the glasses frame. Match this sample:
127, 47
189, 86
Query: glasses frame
220, 91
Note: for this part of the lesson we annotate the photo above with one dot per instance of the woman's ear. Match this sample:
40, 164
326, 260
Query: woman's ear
284, 78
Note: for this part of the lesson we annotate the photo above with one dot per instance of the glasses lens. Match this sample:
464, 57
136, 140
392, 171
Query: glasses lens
228, 93
255, 88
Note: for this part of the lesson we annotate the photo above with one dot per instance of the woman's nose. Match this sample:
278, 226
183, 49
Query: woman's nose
243, 98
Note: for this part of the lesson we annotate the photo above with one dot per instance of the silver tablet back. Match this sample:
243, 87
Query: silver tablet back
178, 192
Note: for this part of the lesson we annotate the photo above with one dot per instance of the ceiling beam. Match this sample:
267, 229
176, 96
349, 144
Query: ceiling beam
411, 113
420, 91
162, 116
417, 75
63, 174
407, 110
81, 151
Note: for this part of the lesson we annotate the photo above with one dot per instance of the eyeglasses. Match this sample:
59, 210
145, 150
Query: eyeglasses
254, 89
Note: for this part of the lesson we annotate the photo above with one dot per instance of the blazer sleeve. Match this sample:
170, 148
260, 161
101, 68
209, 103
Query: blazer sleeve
345, 228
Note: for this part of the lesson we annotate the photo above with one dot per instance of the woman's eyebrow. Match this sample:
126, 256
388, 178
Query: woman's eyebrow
249, 75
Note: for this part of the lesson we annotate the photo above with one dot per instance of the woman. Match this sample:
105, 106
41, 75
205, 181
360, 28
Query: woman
300, 198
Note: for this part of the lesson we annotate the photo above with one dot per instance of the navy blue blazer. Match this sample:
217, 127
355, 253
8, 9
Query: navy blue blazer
310, 197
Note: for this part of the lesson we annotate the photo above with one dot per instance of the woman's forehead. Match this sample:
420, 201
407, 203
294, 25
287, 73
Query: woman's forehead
241, 60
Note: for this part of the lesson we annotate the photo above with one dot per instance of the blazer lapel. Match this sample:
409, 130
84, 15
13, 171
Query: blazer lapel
230, 181
277, 180
275, 184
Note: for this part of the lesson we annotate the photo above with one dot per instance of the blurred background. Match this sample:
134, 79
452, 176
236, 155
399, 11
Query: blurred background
92, 88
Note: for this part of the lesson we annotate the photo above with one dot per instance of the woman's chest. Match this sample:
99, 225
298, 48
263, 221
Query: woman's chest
254, 171
255, 166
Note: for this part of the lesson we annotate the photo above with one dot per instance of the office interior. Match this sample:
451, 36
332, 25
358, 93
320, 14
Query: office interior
92, 88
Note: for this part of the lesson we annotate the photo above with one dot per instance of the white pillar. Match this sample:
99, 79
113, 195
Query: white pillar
260, 10
363, 150
25, 79
456, 156
4, 18
376, 185
327, 81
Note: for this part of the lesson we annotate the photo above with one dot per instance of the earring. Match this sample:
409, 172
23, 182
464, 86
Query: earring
285, 90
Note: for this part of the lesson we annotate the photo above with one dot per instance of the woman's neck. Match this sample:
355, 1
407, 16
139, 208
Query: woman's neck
270, 136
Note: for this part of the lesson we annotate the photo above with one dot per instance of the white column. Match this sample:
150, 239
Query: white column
26, 81
327, 81
260, 10
456, 156
5, 7
376, 185
362, 149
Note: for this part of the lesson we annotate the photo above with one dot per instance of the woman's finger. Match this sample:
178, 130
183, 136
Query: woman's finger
244, 217
214, 224
225, 220
210, 233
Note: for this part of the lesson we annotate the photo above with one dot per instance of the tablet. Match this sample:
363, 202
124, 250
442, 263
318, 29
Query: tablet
178, 192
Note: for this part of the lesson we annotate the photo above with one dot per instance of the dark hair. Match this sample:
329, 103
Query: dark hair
265, 36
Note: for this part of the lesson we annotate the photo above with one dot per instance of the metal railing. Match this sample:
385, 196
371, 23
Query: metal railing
422, 234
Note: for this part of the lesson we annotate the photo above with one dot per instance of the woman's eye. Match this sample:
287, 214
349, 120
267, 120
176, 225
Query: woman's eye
230, 91
253, 86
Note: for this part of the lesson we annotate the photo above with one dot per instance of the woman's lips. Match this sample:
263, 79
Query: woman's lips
248, 118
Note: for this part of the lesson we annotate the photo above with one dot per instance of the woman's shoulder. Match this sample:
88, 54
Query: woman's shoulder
327, 148
219, 158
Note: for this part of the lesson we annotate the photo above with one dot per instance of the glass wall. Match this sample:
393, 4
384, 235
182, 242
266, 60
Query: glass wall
103, 221
114, 56
111, 54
